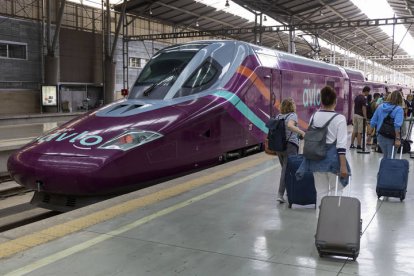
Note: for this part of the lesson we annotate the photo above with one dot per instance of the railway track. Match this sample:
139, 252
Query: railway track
5, 177
15, 207
9, 188
16, 211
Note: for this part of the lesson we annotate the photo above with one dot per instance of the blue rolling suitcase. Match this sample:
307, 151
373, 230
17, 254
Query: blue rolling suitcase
302, 191
392, 177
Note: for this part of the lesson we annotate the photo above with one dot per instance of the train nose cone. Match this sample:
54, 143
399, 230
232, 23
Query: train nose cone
59, 174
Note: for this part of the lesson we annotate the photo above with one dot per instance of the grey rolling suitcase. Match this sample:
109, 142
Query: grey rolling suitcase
339, 226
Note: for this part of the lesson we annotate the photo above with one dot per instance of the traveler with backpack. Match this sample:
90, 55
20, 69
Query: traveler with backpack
325, 147
388, 119
291, 142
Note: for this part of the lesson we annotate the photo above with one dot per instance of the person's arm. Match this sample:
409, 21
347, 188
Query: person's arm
343, 170
341, 140
291, 126
364, 111
398, 121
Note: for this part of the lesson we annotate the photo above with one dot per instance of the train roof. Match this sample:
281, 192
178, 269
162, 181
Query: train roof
354, 74
292, 62
285, 61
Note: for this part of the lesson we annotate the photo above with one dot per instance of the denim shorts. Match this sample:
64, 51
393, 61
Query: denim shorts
329, 164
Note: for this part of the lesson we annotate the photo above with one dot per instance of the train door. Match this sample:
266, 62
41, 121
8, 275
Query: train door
347, 100
275, 87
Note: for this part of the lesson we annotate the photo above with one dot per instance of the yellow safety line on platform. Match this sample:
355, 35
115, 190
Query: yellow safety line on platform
85, 245
23, 243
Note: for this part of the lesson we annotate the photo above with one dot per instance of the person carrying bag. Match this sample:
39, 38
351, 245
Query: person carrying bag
331, 160
387, 120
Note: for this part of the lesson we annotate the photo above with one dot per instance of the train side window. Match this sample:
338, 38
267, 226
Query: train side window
203, 77
331, 84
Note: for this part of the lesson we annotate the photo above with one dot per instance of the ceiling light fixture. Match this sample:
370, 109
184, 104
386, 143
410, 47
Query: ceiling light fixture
265, 18
197, 24
227, 4
150, 11
321, 13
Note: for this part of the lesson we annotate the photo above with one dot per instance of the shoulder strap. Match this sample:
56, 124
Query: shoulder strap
313, 116
327, 123
389, 113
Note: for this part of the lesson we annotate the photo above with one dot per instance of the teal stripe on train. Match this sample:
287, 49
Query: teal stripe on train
243, 108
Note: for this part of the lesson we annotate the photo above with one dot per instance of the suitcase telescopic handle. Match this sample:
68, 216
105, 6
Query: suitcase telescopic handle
349, 184
392, 152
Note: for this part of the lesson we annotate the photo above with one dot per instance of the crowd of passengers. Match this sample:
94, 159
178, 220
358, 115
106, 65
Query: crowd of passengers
370, 111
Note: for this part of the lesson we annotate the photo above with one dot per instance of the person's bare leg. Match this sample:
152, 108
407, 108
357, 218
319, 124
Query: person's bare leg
359, 139
353, 138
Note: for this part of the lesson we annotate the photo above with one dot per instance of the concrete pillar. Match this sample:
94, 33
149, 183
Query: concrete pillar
109, 85
51, 70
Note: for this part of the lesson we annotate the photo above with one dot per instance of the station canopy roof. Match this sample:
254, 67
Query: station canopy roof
370, 41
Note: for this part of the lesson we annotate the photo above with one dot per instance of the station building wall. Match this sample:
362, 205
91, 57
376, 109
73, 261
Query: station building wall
80, 63
20, 78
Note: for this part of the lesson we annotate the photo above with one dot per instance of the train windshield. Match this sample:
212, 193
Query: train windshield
162, 71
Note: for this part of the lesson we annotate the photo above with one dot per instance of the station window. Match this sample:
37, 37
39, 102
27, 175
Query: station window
13, 50
135, 62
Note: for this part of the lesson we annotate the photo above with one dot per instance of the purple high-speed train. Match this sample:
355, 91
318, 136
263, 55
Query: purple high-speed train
192, 106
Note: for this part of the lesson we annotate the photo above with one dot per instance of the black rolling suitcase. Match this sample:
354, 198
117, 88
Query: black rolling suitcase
392, 177
301, 192
339, 226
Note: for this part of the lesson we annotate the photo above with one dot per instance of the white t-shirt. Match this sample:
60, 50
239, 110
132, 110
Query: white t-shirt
337, 130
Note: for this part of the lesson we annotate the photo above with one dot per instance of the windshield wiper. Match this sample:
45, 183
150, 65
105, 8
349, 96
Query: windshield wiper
173, 73
151, 88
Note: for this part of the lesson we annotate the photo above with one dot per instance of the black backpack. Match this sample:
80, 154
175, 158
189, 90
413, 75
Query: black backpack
277, 134
387, 128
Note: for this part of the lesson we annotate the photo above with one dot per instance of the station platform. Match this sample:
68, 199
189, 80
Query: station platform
221, 221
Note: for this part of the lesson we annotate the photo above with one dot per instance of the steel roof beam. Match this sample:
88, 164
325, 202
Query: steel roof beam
195, 14
402, 66
341, 16
278, 28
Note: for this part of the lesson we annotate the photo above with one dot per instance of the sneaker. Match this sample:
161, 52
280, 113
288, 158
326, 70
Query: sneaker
359, 147
280, 199
352, 146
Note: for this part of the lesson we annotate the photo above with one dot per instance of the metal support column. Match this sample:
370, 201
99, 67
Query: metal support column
291, 42
125, 44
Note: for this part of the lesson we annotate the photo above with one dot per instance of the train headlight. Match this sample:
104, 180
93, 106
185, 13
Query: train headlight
131, 139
